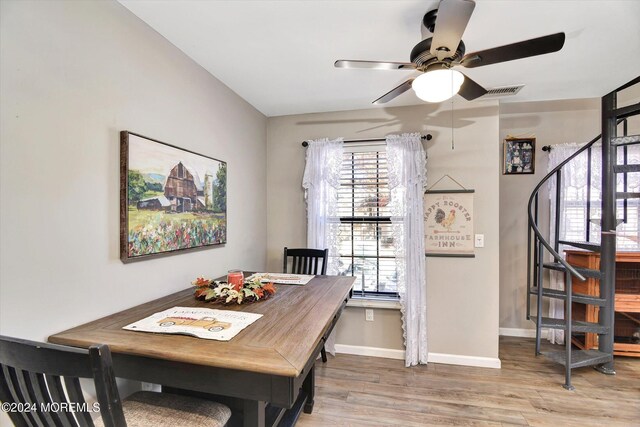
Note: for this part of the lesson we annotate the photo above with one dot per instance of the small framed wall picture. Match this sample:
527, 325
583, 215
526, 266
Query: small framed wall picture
519, 156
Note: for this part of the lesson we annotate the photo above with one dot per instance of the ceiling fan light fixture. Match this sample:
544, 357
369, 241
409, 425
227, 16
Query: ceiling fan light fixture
438, 85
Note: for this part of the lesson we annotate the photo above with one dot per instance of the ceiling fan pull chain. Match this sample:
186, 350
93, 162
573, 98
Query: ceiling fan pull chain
452, 140
453, 144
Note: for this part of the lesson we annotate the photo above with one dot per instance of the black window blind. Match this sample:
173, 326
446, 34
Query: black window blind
366, 248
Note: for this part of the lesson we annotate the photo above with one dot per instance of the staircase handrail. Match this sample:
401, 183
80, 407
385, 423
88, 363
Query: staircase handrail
534, 193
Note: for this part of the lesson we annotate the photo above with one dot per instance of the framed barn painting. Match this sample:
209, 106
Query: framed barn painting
171, 200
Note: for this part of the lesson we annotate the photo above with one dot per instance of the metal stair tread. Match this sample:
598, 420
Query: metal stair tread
587, 272
627, 195
597, 221
579, 358
576, 325
626, 140
580, 298
590, 246
626, 168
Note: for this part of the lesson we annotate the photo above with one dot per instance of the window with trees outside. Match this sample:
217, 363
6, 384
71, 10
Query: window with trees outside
365, 239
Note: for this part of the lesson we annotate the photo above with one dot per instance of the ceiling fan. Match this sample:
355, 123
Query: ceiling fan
436, 56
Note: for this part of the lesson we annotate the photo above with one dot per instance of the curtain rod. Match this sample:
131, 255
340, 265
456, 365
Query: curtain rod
427, 137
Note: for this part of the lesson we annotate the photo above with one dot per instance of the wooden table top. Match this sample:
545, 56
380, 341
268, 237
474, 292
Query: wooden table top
279, 343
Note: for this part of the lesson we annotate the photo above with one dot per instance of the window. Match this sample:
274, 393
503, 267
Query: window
627, 232
576, 217
366, 248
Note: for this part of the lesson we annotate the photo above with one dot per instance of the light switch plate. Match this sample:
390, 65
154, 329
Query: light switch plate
479, 241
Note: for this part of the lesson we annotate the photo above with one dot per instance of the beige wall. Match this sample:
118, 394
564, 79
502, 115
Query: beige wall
551, 122
384, 332
73, 75
462, 294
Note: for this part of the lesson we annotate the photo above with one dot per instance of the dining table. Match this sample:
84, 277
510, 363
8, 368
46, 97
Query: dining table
265, 373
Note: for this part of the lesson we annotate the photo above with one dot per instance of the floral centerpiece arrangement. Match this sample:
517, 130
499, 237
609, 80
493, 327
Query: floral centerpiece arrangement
228, 293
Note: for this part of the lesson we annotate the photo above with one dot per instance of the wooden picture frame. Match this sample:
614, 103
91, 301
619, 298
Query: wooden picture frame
172, 200
519, 155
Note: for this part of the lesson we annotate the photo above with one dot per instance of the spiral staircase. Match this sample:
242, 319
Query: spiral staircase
540, 249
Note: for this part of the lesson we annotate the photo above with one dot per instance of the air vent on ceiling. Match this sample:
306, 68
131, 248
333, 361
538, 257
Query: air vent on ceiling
502, 91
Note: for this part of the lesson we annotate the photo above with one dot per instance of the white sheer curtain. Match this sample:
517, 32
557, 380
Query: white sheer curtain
320, 182
406, 161
573, 209
572, 170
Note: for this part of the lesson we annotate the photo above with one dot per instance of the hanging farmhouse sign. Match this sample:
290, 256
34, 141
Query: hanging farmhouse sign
171, 199
448, 223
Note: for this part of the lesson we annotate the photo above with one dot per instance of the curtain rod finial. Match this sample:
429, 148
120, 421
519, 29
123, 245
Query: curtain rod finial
547, 148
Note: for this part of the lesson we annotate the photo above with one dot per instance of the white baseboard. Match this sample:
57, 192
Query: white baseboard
458, 359
449, 359
357, 350
525, 333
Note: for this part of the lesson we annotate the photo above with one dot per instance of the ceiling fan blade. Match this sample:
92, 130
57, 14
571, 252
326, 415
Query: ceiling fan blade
394, 92
509, 52
471, 90
376, 65
451, 21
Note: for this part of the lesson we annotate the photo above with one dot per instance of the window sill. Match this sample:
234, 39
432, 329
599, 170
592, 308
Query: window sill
373, 303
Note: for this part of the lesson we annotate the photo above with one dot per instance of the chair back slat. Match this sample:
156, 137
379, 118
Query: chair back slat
28, 394
35, 385
40, 387
57, 394
305, 261
56, 390
9, 393
74, 391
43, 394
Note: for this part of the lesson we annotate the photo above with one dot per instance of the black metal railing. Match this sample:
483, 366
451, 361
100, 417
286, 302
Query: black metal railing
537, 244
534, 265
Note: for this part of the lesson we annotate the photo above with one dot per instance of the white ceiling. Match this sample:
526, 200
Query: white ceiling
279, 55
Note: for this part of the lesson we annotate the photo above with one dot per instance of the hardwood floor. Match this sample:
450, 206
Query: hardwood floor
357, 390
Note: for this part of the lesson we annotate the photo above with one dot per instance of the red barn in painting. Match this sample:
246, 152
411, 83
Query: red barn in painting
181, 189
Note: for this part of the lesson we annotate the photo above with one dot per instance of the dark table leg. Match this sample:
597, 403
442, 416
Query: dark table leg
309, 386
254, 413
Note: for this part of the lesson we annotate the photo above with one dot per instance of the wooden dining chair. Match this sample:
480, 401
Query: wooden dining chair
307, 261
42, 380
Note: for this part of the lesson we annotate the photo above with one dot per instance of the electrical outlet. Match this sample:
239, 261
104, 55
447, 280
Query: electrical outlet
368, 315
479, 242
